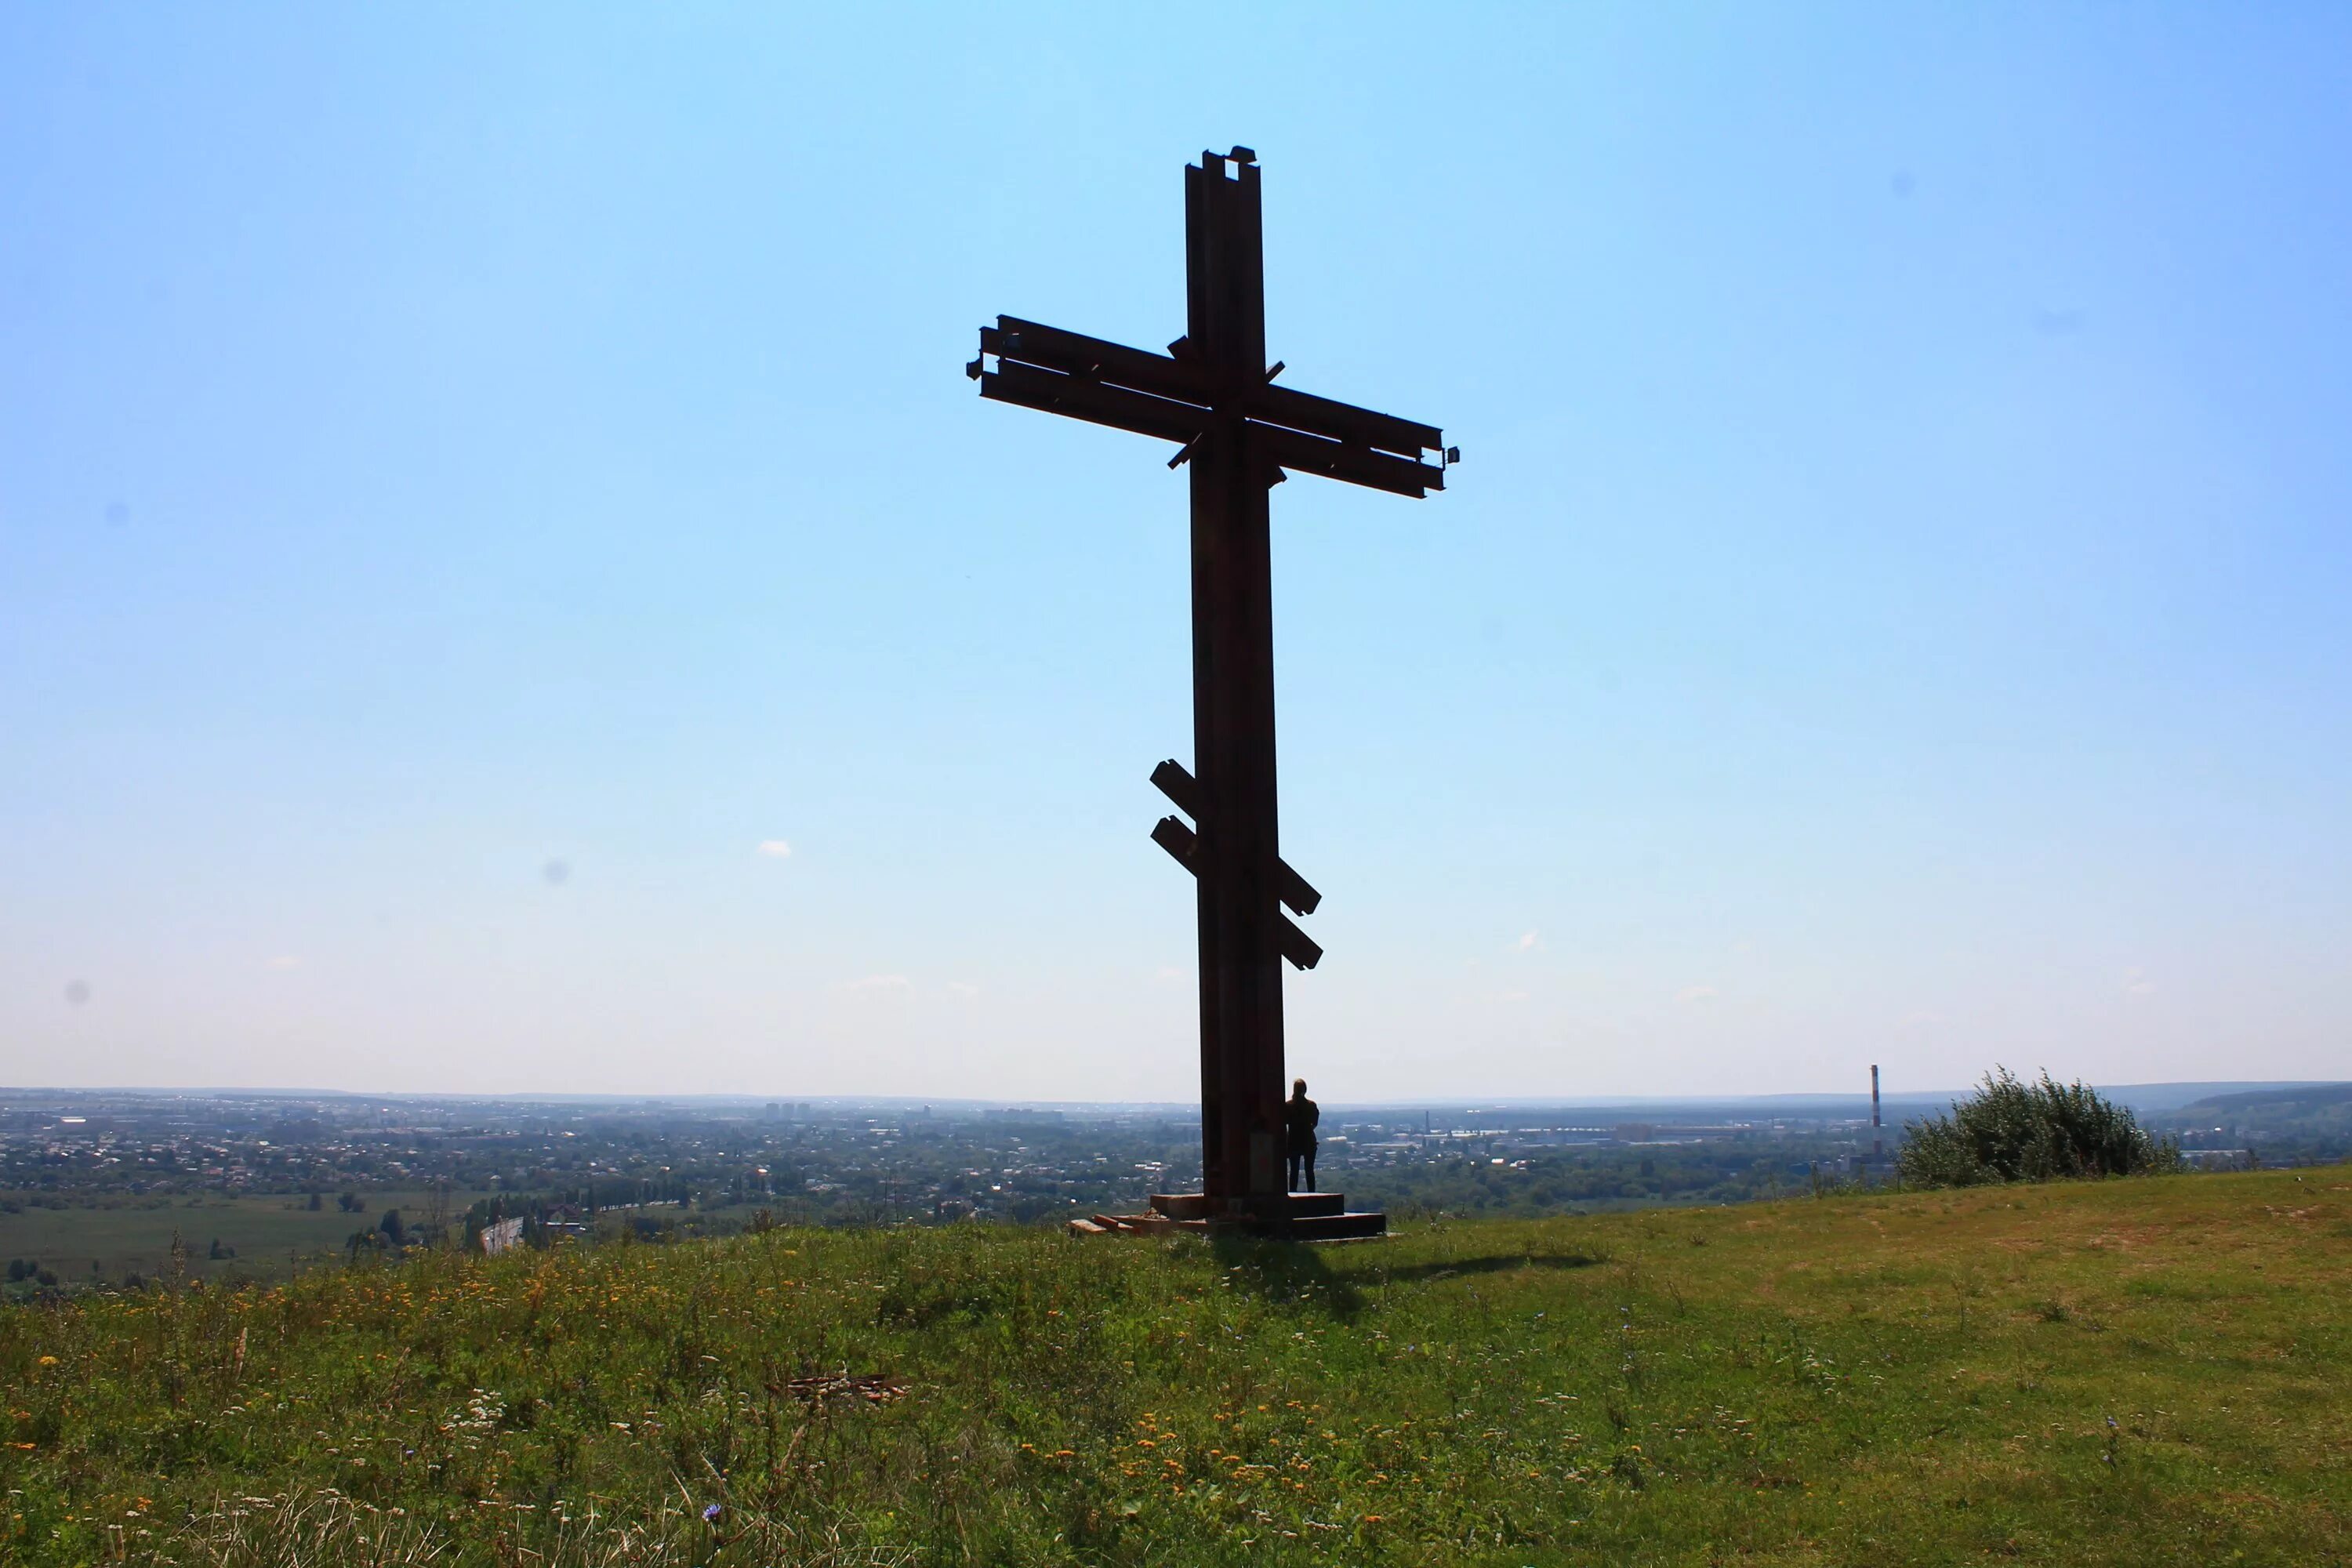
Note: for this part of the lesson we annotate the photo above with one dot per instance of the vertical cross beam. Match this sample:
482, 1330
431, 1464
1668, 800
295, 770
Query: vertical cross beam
1211, 395
1233, 703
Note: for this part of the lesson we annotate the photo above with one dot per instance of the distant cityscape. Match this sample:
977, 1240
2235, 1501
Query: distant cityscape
94, 1184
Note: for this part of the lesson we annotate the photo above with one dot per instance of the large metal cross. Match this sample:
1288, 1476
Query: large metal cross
1213, 393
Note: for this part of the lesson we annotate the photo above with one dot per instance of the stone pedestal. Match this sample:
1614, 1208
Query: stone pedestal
1304, 1216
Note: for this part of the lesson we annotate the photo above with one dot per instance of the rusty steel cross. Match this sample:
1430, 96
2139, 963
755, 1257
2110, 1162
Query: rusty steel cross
1213, 393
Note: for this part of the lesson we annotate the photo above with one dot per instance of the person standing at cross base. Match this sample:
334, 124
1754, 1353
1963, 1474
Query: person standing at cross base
1299, 1116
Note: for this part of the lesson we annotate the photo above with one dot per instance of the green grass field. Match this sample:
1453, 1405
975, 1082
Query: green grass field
2145, 1372
134, 1236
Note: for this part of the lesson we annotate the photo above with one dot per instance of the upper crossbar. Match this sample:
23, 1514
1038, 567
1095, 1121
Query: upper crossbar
1176, 398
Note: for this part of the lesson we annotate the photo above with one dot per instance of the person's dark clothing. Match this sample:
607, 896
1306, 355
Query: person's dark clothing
1299, 1116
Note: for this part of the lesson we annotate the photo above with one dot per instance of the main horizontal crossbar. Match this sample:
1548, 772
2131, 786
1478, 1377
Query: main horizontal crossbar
1098, 359
1176, 399
1190, 381
1094, 401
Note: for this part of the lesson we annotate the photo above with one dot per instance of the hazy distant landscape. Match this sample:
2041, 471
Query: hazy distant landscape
95, 1185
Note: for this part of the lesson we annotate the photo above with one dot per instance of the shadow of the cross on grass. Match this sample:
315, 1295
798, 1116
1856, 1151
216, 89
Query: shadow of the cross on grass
1292, 1273
1300, 1274
1497, 1263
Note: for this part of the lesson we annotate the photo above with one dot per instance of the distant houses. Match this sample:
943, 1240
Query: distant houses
504, 1235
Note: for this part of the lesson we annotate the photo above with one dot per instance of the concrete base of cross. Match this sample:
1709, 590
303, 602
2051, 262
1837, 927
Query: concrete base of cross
1305, 1217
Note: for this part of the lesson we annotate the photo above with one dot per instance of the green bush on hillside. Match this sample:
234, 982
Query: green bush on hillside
2010, 1130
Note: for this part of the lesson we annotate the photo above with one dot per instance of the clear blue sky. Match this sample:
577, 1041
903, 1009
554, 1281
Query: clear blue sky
468, 481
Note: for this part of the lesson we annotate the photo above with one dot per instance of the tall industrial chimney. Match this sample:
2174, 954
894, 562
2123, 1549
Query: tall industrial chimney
1877, 1148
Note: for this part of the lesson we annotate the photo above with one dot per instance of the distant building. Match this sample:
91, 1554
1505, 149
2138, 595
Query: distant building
501, 1235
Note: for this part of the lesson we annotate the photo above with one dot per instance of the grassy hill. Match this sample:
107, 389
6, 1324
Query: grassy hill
2146, 1371
267, 1235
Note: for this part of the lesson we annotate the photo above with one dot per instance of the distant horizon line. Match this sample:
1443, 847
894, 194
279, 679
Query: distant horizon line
1498, 1102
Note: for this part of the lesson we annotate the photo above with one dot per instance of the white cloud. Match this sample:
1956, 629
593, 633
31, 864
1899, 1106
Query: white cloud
1527, 944
878, 982
282, 961
2137, 983
773, 849
963, 988
1510, 996
1690, 993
